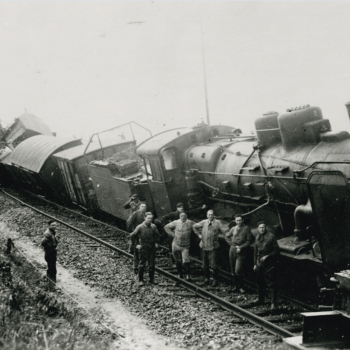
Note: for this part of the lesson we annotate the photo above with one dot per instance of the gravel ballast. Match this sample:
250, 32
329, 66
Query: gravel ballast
188, 322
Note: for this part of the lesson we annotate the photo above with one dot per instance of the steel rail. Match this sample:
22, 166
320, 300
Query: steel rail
252, 318
223, 273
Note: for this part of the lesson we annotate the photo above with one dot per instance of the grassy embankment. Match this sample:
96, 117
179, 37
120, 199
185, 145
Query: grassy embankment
34, 317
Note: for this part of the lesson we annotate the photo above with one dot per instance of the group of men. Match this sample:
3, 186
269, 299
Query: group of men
145, 238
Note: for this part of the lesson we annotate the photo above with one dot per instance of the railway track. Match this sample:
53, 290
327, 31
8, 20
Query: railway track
272, 322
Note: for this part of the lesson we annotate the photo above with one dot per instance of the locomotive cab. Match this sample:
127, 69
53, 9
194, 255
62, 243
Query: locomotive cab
164, 159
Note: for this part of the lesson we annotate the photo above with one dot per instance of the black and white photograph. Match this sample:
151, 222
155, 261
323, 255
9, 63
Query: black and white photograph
174, 175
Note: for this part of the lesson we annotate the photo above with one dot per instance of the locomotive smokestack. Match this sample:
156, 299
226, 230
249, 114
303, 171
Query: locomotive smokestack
347, 105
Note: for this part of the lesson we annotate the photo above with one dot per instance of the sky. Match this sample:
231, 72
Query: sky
87, 66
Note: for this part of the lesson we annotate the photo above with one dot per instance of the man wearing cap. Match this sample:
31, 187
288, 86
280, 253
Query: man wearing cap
135, 219
146, 237
266, 252
239, 238
49, 243
208, 232
181, 230
174, 215
133, 204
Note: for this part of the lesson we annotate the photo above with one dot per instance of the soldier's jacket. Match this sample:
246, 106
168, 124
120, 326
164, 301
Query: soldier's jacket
175, 215
181, 231
50, 241
146, 235
265, 244
135, 219
210, 233
240, 236
170, 217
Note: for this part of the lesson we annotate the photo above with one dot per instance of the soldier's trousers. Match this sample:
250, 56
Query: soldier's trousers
237, 261
136, 258
147, 255
51, 258
266, 275
210, 258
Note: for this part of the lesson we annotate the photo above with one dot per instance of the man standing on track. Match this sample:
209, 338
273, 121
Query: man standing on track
146, 236
239, 238
181, 231
209, 235
265, 263
135, 219
174, 215
49, 243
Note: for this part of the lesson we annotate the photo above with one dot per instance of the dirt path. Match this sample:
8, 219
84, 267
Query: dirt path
137, 334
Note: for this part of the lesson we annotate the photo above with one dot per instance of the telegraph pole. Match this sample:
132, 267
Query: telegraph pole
205, 77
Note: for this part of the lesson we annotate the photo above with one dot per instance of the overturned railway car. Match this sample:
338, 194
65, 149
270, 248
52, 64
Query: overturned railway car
73, 164
24, 127
33, 167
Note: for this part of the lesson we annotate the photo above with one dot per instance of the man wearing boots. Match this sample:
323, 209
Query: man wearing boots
135, 219
181, 231
209, 236
239, 238
147, 236
49, 243
265, 263
174, 215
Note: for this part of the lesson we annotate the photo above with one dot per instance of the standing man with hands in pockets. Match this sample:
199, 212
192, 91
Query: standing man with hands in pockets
208, 231
239, 238
265, 263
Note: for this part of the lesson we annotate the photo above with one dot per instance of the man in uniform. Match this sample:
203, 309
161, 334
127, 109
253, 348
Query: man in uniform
174, 215
49, 243
135, 219
181, 230
146, 237
209, 236
133, 204
265, 263
239, 238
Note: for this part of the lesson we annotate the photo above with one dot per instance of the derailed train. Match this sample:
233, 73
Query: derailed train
293, 174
